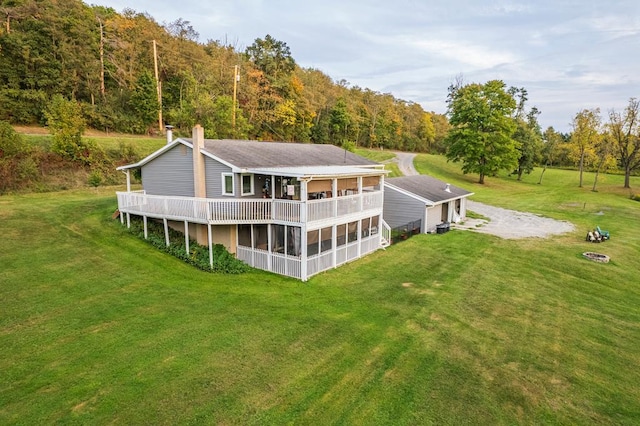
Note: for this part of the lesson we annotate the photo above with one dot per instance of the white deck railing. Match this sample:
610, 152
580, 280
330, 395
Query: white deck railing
208, 210
342, 206
254, 210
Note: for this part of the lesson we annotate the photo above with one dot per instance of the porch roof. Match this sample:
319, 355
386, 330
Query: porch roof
318, 172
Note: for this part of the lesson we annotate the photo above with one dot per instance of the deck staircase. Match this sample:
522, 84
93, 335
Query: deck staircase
385, 241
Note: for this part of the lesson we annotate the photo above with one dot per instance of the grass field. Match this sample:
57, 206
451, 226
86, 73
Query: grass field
97, 327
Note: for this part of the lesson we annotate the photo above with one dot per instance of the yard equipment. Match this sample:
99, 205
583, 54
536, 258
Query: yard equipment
605, 234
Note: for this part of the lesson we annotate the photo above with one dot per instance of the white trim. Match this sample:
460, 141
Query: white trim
252, 190
224, 184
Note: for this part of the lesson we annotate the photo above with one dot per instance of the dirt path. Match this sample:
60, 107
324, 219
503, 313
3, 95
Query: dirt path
504, 223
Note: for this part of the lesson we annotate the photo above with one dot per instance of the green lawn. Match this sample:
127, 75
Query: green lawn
97, 327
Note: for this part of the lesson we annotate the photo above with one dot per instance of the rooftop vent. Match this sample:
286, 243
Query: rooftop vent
447, 188
169, 129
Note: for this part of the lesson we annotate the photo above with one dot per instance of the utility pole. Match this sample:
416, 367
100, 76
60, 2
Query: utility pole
102, 90
236, 78
158, 87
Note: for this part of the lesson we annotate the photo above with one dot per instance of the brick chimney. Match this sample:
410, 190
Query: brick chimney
199, 182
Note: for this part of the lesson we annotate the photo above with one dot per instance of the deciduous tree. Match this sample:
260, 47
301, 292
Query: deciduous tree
624, 130
585, 136
481, 116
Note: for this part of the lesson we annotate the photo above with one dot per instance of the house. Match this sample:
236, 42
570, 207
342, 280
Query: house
293, 209
423, 200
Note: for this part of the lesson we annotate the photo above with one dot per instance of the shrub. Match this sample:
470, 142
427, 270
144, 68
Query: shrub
198, 256
11, 143
95, 178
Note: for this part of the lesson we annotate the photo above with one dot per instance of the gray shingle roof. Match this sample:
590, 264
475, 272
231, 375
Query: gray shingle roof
427, 187
248, 154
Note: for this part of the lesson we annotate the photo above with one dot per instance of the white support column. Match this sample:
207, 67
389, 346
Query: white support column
269, 246
186, 236
360, 194
303, 199
334, 244
146, 233
253, 246
128, 220
334, 191
122, 218
303, 251
166, 231
210, 245
286, 250
359, 228
128, 173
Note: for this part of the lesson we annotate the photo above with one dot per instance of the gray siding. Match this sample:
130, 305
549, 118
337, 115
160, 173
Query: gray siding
400, 209
213, 174
170, 174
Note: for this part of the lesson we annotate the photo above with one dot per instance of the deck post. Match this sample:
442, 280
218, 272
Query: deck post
166, 231
146, 234
334, 196
359, 230
186, 235
303, 251
128, 220
269, 246
334, 244
210, 245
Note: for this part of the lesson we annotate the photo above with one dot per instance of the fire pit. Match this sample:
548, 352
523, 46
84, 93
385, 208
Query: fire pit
596, 257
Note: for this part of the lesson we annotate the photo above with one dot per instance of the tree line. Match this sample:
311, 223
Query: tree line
68, 65
493, 129
115, 64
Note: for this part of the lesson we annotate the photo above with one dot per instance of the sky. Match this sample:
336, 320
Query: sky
568, 55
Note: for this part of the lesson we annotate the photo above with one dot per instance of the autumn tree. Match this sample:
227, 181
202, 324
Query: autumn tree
585, 136
272, 57
66, 124
481, 116
603, 156
551, 141
624, 131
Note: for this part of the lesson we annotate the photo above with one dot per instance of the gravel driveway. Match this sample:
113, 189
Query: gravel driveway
512, 224
505, 223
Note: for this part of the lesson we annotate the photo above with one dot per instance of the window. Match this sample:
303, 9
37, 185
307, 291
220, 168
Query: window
352, 232
364, 227
341, 235
326, 239
244, 235
312, 242
247, 184
227, 184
